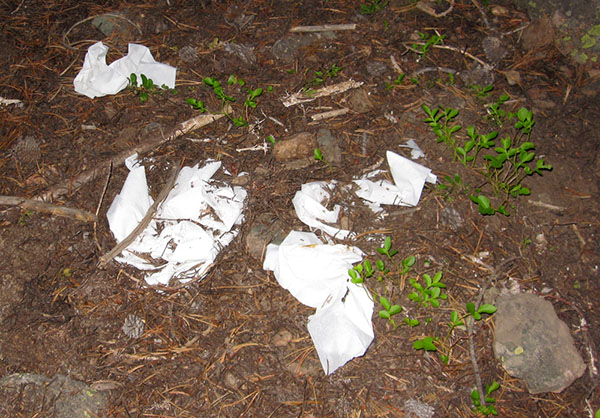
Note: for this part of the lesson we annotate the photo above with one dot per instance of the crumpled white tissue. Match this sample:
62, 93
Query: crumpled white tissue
308, 203
415, 151
196, 220
317, 275
97, 79
409, 180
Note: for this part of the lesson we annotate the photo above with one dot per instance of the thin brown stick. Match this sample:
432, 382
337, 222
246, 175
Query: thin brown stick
143, 223
65, 212
71, 185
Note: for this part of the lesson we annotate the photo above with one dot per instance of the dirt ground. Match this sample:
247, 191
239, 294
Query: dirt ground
235, 343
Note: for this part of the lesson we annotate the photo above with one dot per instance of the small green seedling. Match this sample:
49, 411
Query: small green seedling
253, 94
360, 272
389, 310
372, 6
196, 104
431, 293
496, 113
318, 154
235, 80
441, 121
483, 309
396, 82
488, 407
144, 89
26, 215
387, 249
422, 48
271, 139
456, 321
425, 343
412, 322
481, 92
218, 89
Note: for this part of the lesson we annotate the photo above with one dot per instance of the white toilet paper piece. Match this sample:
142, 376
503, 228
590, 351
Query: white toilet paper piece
197, 219
409, 180
317, 275
308, 203
97, 79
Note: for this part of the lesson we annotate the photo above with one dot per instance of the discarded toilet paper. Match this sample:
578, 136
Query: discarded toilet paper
317, 275
196, 220
308, 203
409, 180
97, 79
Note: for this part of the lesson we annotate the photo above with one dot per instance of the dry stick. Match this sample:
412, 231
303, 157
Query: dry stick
301, 97
323, 28
79, 214
69, 186
143, 223
484, 64
65, 38
425, 8
495, 272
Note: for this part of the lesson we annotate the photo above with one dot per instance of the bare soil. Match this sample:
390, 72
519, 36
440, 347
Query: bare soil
214, 347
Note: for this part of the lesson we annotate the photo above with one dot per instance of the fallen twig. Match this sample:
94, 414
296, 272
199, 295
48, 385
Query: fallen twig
70, 185
79, 214
324, 28
484, 64
143, 223
330, 114
422, 6
302, 97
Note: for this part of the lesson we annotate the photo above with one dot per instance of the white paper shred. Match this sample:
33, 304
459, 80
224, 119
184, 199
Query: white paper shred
409, 180
317, 275
97, 79
198, 218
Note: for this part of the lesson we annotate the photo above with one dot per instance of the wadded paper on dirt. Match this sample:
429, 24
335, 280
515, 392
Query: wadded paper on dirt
199, 217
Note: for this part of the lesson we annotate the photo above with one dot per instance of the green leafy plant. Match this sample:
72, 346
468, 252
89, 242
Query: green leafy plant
252, 95
425, 343
487, 408
495, 111
505, 169
26, 215
147, 86
319, 77
451, 185
397, 82
372, 6
422, 48
431, 293
362, 271
196, 104
389, 310
480, 91
233, 79
318, 155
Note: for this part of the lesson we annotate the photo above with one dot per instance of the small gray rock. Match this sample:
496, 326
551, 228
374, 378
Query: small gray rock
533, 344
329, 146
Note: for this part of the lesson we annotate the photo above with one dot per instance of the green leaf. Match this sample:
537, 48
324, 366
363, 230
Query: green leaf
133, 80
409, 261
475, 397
380, 265
487, 308
476, 316
428, 280
435, 292
387, 244
491, 388
318, 154
384, 314
435, 303
524, 115
471, 308
385, 303
395, 309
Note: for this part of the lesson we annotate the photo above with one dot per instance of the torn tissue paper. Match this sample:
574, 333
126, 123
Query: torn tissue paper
317, 275
409, 180
197, 219
309, 205
97, 79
